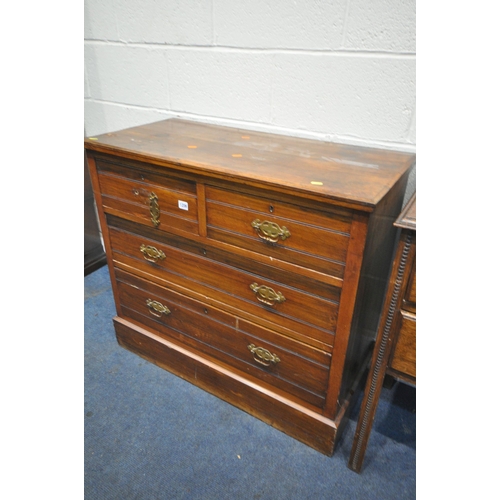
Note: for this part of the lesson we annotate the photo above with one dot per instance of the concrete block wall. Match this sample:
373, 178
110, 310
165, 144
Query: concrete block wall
335, 70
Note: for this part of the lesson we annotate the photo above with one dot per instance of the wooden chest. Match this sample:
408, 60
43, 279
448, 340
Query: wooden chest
252, 265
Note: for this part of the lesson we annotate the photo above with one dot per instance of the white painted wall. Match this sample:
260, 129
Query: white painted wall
335, 70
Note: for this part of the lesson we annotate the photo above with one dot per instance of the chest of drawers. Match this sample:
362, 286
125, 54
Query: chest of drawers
252, 265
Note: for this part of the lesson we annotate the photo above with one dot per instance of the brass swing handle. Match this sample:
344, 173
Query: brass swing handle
152, 253
270, 231
154, 209
156, 308
267, 295
263, 356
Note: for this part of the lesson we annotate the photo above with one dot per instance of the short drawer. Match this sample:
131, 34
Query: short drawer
306, 315
404, 358
308, 238
261, 353
158, 201
410, 296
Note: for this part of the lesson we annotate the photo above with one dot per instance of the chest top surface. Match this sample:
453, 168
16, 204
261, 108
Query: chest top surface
358, 175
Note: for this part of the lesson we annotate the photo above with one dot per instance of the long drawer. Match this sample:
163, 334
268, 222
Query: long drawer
279, 361
290, 304
158, 201
312, 239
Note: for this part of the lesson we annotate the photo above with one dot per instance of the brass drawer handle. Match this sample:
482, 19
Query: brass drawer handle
151, 253
270, 231
263, 356
157, 309
154, 209
267, 295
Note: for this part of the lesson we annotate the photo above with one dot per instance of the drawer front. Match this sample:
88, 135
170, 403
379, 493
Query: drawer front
157, 201
280, 230
405, 352
309, 316
410, 297
276, 360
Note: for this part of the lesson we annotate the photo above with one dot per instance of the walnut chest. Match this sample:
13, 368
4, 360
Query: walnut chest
250, 264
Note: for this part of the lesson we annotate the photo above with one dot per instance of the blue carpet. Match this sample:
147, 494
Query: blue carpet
151, 435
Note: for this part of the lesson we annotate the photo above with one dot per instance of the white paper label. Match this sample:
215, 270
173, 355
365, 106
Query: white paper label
183, 205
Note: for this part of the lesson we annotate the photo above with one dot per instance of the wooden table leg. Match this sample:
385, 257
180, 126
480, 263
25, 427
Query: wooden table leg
380, 357
367, 414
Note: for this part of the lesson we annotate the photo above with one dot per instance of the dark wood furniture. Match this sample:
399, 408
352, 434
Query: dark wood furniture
395, 348
252, 265
93, 249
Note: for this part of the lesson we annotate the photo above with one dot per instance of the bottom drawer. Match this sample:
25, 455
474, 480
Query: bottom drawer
295, 368
404, 358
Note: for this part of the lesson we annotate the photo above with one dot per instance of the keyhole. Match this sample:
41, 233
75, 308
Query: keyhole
271, 208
